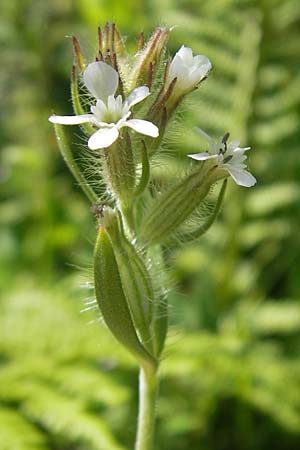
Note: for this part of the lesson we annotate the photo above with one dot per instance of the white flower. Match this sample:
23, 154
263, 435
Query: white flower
188, 69
110, 113
229, 157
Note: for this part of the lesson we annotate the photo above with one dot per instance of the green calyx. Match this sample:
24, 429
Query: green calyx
135, 278
112, 301
119, 169
175, 206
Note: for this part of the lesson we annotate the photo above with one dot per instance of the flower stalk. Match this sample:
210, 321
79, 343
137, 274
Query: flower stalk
148, 392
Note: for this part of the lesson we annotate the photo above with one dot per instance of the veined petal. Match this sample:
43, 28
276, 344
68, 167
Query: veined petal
103, 138
202, 156
101, 80
241, 177
137, 95
142, 126
72, 120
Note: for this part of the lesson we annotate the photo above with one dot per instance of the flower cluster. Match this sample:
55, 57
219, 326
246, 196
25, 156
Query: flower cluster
110, 112
131, 100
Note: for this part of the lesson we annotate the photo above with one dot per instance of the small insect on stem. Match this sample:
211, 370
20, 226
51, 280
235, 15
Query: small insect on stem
97, 210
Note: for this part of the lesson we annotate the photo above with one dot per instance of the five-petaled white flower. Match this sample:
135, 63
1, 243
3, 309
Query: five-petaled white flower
228, 156
188, 69
109, 114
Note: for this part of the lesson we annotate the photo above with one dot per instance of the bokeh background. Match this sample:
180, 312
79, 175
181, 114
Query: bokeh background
231, 374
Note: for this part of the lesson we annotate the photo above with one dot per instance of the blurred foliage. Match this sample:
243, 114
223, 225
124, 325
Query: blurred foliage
64, 383
232, 380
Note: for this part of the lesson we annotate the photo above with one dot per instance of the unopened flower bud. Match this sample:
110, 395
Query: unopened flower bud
188, 70
147, 60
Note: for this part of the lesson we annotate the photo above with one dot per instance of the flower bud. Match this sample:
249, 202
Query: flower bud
188, 71
110, 45
147, 60
111, 298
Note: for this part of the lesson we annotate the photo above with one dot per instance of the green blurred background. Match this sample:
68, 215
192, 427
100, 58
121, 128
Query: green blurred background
231, 374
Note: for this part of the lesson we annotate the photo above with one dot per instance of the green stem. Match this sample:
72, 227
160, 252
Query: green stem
73, 167
147, 406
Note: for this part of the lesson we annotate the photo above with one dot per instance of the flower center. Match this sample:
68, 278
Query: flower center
109, 112
111, 116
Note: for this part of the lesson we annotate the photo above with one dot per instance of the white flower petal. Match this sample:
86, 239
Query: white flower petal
240, 149
233, 145
101, 80
199, 74
142, 126
186, 54
202, 156
203, 62
241, 177
72, 120
207, 137
103, 138
99, 110
137, 95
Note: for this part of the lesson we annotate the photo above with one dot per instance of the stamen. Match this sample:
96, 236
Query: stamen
225, 138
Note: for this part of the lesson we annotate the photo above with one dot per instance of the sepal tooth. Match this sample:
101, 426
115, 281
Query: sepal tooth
78, 54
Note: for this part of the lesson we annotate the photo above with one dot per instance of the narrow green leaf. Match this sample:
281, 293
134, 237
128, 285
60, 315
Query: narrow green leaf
72, 165
78, 109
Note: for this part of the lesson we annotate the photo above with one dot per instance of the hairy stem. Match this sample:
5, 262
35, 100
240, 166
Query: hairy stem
148, 389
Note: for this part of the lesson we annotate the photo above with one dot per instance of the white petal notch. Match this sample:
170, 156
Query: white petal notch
109, 114
228, 156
